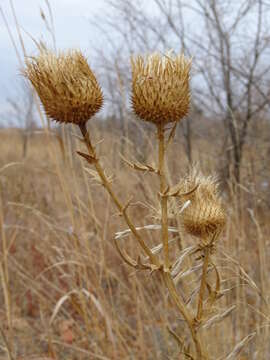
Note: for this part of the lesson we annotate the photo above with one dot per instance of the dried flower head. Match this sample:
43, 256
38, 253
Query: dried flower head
205, 215
66, 85
160, 87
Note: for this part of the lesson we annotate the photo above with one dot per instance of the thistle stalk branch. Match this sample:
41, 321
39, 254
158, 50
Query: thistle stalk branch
154, 260
165, 240
203, 283
184, 312
163, 199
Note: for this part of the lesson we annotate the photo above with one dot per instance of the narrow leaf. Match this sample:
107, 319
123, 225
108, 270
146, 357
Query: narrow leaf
89, 158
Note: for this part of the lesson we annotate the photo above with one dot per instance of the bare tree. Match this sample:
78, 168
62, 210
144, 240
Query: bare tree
229, 42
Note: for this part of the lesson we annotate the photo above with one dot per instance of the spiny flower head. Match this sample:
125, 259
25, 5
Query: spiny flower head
205, 215
66, 85
160, 87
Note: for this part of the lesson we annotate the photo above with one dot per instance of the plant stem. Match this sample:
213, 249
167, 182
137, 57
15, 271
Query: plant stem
184, 312
165, 240
203, 283
4, 276
164, 199
154, 260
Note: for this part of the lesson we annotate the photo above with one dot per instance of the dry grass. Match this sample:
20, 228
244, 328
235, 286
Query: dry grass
66, 293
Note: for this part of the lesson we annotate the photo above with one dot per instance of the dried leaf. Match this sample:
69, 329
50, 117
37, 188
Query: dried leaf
96, 177
93, 174
176, 190
89, 158
138, 166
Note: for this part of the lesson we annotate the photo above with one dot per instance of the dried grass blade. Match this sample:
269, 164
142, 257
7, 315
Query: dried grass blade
219, 317
240, 346
125, 233
59, 304
187, 272
3, 168
176, 266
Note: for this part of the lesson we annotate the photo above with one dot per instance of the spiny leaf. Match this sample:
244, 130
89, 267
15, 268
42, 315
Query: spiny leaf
176, 191
91, 159
138, 166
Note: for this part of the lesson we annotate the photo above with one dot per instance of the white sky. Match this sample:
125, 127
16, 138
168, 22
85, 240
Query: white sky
72, 29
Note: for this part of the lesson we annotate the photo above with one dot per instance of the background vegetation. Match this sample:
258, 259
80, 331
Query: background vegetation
65, 293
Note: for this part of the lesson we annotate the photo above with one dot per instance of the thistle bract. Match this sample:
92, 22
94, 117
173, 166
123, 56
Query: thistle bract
66, 86
205, 215
160, 87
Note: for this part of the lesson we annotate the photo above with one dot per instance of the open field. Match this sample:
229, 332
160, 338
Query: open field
140, 232
66, 293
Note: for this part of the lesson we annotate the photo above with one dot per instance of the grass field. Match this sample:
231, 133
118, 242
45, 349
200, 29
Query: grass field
66, 293
129, 239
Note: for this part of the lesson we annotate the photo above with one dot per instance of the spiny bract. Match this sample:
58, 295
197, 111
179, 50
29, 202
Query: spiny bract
66, 85
205, 215
160, 87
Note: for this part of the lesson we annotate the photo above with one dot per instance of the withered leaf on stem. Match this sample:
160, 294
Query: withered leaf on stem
89, 158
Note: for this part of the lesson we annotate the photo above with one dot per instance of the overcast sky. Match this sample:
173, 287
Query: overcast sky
72, 29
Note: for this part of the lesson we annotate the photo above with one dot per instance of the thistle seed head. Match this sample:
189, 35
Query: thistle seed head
160, 87
205, 215
66, 85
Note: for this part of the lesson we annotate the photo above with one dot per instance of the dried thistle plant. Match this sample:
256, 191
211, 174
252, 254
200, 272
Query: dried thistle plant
66, 85
160, 87
205, 216
70, 92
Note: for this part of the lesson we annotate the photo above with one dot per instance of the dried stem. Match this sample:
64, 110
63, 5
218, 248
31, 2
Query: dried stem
203, 283
163, 199
122, 209
4, 275
165, 240
8, 348
154, 260
184, 312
